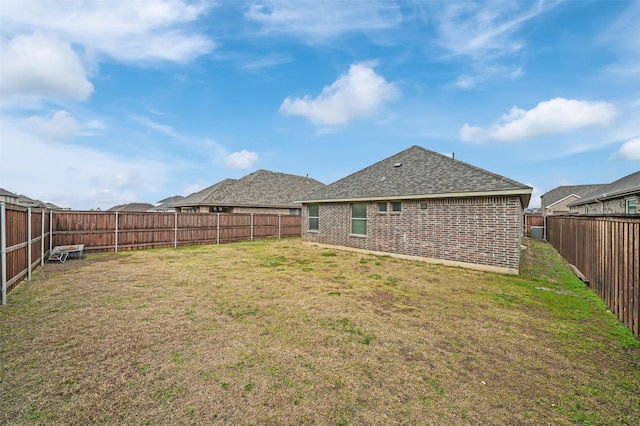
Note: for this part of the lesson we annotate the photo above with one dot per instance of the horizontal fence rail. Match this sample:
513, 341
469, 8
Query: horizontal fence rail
606, 249
28, 237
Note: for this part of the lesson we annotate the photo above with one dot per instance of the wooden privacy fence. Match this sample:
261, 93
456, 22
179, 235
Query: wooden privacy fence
532, 220
606, 249
27, 237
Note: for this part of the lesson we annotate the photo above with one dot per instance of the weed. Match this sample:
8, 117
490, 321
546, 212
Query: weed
334, 293
273, 261
328, 254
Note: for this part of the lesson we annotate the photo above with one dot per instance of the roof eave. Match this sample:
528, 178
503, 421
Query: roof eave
524, 194
605, 197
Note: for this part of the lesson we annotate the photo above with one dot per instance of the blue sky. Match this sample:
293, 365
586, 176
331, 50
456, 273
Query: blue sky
106, 102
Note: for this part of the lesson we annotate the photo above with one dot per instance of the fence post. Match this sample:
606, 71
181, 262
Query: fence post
218, 232
42, 238
116, 241
251, 227
50, 230
175, 231
3, 251
279, 225
29, 244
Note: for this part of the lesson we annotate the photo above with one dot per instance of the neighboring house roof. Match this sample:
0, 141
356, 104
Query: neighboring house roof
131, 207
419, 173
23, 200
627, 185
5, 193
561, 193
166, 203
262, 188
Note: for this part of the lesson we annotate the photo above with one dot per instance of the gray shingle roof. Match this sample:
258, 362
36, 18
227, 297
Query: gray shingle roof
418, 172
131, 207
562, 192
627, 185
262, 188
4, 192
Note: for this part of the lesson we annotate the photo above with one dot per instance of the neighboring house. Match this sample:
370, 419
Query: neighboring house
24, 201
166, 204
8, 197
621, 196
131, 207
422, 205
558, 199
262, 191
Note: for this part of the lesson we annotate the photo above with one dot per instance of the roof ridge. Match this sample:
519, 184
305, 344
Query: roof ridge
476, 168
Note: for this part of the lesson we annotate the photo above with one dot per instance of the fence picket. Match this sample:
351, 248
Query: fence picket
606, 249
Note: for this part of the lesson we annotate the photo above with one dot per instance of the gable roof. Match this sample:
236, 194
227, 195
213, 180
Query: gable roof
131, 207
262, 188
627, 185
419, 173
4, 192
562, 192
165, 204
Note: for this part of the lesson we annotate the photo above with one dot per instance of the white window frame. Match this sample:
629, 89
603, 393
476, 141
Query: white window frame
628, 202
317, 218
353, 219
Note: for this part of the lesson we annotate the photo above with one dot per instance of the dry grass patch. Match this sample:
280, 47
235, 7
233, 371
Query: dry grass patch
274, 332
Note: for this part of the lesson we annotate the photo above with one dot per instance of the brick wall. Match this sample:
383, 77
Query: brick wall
483, 231
613, 206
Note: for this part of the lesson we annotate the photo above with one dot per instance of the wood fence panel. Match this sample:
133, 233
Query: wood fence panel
532, 220
108, 231
606, 249
96, 230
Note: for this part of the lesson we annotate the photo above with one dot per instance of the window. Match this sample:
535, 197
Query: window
396, 207
382, 207
359, 219
632, 206
294, 212
313, 217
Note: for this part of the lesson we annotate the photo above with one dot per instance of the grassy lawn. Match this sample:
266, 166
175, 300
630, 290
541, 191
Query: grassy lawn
275, 332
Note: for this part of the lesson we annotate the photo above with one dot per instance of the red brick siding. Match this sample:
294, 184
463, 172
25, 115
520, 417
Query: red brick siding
485, 231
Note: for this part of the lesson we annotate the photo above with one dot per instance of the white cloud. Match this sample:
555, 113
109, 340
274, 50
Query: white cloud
483, 32
70, 175
479, 29
42, 67
485, 73
129, 31
60, 125
553, 116
241, 160
318, 21
630, 150
358, 93
623, 37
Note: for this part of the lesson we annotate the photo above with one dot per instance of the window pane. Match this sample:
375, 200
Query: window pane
313, 224
632, 206
382, 207
358, 226
396, 207
313, 210
359, 210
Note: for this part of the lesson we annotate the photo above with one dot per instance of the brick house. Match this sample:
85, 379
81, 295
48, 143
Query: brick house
619, 197
262, 191
422, 205
558, 199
